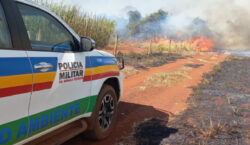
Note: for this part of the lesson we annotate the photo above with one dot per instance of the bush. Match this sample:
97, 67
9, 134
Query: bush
161, 48
99, 28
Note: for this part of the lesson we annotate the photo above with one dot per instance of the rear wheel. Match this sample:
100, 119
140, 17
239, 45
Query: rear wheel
105, 114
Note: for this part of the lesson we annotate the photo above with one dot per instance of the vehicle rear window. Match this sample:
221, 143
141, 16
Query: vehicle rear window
5, 40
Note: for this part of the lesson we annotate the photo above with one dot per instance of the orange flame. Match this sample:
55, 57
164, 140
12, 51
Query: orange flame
203, 44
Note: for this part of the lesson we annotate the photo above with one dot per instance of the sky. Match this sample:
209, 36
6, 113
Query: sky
117, 7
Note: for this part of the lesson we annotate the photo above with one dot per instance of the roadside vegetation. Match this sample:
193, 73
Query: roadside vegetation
156, 46
136, 62
99, 28
167, 79
163, 79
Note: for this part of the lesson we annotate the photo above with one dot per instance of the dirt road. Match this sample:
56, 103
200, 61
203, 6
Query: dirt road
139, 104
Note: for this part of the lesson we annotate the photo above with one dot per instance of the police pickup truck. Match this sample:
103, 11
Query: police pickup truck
53, 83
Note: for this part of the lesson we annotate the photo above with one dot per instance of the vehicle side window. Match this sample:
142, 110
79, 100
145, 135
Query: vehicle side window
45, 32
5, 40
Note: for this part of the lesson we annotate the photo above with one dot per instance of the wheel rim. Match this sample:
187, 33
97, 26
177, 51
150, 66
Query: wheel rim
106, 111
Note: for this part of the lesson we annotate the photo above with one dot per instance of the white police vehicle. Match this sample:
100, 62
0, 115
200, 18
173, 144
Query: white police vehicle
53, 84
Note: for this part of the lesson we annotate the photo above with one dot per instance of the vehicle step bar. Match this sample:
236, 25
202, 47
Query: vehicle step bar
62, 134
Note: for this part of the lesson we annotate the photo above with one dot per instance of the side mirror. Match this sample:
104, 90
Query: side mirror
87, 44
120, 62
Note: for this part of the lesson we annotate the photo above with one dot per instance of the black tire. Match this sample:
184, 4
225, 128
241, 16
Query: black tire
98, 130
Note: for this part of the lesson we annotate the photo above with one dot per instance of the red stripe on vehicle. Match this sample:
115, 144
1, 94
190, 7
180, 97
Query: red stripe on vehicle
15, 90
86, 78
42, 86
104, 75
100, 76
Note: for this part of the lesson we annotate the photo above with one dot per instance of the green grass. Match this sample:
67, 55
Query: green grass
99, 28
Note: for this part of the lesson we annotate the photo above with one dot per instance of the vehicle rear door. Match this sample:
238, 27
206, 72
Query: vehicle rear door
59, 93
15, 78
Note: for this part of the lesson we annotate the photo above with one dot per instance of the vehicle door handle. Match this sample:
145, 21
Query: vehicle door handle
43, 66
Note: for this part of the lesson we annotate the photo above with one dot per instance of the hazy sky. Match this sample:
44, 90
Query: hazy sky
116, 7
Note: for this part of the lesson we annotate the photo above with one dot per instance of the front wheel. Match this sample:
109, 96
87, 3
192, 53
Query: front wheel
104, 114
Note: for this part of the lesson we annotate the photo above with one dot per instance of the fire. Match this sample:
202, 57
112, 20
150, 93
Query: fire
203, 44
200, 44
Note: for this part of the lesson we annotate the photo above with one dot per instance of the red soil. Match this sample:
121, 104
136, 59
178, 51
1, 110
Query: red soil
137, 105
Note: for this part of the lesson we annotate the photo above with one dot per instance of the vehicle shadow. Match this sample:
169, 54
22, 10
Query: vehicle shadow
152, 132
130, 114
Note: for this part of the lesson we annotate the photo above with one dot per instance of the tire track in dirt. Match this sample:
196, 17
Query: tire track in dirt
137, 105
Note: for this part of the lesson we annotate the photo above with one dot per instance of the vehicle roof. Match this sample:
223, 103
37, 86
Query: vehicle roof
32, 3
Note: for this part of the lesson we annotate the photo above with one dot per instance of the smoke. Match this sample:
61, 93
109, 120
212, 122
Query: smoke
144, 28
230, 23
134, 16
180, 27
161, 24
226, 22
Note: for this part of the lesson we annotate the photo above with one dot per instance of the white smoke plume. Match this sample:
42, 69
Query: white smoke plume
228, 21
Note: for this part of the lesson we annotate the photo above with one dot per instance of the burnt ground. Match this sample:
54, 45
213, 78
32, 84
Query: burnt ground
142, 61
218, 112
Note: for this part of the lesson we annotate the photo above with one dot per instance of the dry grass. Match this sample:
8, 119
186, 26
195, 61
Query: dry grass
236, 111
213, 129
202, 60
142, 88
165, 46
214, 57
129, 71
235, 58
167, 79
205, 82
216, 69
192, 103
229, 100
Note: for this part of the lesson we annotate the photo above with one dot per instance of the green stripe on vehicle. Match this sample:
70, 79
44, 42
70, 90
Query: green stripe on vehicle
92, 103
24, 128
